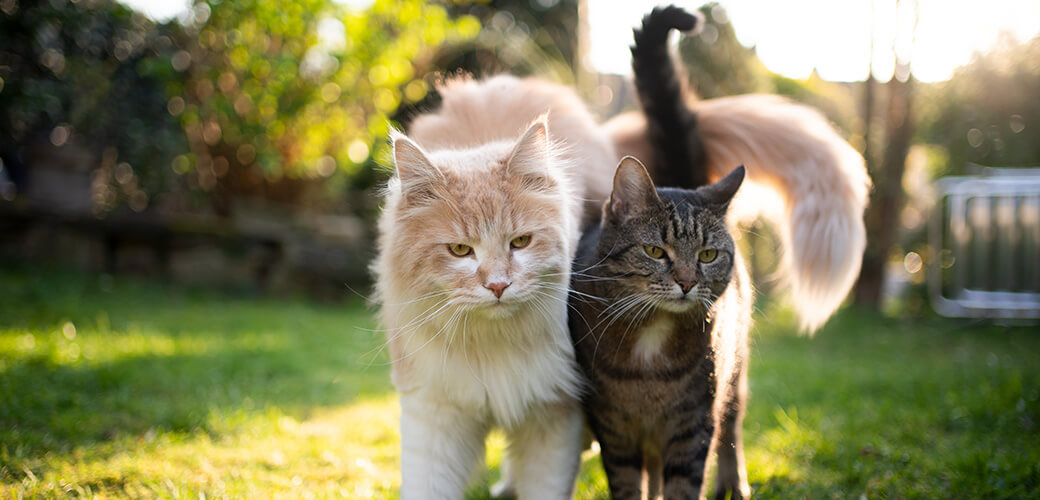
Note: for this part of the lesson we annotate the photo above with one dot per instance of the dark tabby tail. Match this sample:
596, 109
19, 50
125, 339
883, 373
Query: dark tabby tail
671, 126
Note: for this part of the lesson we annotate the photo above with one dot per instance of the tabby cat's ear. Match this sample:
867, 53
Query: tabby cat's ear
633, 190
415, 170
722, 192
530, 156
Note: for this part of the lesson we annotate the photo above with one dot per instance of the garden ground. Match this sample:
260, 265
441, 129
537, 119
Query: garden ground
118, 387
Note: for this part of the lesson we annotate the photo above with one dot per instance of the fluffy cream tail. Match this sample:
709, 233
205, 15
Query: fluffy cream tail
801, 175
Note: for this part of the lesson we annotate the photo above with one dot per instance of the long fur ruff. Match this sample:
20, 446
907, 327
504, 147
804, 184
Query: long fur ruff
487, 163
802, 176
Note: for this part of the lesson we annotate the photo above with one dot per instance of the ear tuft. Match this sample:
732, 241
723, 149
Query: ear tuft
530, 156
415, 170
633, 189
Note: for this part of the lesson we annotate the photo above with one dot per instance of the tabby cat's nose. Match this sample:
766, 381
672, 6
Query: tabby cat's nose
686, 285
497, 288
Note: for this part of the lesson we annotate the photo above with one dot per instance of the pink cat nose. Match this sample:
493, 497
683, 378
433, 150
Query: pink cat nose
497, 288
686, 285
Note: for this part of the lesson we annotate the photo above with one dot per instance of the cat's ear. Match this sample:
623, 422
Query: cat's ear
530, 156
633, 190
415, 170
722, 192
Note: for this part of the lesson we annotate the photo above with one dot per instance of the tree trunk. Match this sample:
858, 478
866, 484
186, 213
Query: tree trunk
886, 203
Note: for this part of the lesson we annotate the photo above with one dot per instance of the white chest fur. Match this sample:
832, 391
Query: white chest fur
652, 338
498, 367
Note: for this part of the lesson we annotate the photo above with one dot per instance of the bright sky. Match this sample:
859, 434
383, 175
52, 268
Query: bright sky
794, 36
158, 9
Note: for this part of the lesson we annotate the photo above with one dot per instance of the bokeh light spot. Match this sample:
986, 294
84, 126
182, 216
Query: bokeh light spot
415, 91
124, 173
60, 135
68, 330
378, 75
330, 92
912, 263
138, 201
211, 133
181, 165
358, 151
181, 60
175, 106
385, 100
1017, 123
975, 137
326, 166
246, 154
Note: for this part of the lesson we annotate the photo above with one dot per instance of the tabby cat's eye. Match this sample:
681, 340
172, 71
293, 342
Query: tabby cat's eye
709, 255
520, 241
459, 250
653, 252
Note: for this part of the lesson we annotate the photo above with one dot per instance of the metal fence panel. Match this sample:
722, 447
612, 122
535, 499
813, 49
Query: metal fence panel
986, 237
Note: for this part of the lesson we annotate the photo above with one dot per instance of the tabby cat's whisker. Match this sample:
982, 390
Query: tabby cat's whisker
647, 305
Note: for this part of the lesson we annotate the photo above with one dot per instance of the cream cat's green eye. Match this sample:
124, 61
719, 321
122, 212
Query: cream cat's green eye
459, 250
520, 241
707, 256
653, 252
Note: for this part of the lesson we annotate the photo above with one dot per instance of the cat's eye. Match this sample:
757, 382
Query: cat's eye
707, 256
520, 241
653, 252
459, 250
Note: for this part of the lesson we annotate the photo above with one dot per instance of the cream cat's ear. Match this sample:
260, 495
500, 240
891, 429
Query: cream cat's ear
633, 189
530, 156
415, 170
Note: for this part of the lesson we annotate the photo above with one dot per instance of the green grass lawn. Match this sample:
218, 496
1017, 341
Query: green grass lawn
127, 388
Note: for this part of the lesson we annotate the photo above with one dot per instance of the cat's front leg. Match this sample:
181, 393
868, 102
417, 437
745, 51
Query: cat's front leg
545, 451
731, 471
685, 457
440, 444
622, 461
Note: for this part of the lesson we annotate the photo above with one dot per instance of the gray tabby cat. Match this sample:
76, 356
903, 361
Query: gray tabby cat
661, 311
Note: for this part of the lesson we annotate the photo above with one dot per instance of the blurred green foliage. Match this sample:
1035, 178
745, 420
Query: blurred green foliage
299, 88
84, 73
231, 99
290, 100
524, 37
989, 112
717, 64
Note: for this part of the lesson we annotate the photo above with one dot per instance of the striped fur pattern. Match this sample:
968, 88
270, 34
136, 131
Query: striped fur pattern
802, 176
661, 309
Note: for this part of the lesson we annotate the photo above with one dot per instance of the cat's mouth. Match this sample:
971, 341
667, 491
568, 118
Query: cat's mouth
499, 308
681, 304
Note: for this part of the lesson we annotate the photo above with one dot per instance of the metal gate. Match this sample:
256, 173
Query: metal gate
986, 237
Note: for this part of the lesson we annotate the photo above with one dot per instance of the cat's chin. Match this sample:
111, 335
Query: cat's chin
497, 309
677, 306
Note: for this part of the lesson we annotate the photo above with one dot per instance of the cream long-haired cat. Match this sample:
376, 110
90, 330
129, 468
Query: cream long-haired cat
476, 240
